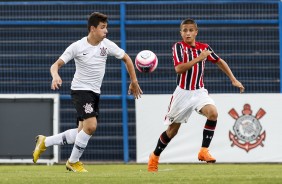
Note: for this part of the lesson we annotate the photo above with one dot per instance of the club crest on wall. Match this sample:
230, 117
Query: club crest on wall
247, 129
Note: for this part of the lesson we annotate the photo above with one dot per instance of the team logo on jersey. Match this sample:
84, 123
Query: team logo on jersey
87, 108
103, 51
247, 129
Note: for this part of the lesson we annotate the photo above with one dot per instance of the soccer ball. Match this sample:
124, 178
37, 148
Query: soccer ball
146, 61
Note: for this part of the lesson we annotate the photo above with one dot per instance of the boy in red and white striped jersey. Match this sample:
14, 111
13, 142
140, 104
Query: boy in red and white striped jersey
189, 57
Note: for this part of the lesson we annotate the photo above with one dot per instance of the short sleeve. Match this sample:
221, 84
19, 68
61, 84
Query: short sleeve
213, 57
69, 53
177, 54
115, 50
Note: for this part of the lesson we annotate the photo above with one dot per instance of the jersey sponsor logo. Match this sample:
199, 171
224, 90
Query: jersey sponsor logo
103, 51
247, 129
87, 108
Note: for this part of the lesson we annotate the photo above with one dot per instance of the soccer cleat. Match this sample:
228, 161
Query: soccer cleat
75, 167
39, 147
204, 155
153, 163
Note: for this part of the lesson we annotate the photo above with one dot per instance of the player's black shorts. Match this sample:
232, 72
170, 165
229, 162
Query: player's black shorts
86, 104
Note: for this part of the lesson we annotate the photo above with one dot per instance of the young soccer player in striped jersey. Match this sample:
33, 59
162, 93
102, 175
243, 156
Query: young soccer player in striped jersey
189, 57
90, 55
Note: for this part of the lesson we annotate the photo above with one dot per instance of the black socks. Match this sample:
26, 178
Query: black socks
208, 133
162, 143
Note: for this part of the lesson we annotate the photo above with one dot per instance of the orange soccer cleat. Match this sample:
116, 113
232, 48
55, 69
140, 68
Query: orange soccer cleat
153, 163
204, 155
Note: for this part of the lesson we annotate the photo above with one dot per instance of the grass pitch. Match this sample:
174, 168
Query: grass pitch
137, 173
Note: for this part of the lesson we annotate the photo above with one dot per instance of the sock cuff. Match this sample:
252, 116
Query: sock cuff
210, 125
84, 135
164, 138
82, 139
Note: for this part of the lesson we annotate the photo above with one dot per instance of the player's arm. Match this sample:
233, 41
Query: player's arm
54, 70
134, 87
183, 67
225, 68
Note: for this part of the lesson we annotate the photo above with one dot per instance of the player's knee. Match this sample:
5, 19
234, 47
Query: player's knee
172, 130
213, 115
90, 125
91, 129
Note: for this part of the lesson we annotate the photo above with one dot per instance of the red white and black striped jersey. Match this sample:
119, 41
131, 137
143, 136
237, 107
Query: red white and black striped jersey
183, 53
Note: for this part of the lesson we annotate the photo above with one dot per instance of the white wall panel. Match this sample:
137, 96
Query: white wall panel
151, 109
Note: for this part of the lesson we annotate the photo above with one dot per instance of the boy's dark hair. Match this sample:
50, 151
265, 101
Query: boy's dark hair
188, 21
95, 18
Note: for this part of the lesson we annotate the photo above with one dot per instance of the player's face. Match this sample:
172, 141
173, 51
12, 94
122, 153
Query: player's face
188, 33
101, 31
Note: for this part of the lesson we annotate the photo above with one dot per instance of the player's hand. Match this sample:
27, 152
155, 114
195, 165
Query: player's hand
135, 89
204, 54
238, 84
56, 83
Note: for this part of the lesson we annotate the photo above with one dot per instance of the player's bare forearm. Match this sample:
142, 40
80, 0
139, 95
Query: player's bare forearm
226, 69
54, 70
134, 87
183, 67
130, 68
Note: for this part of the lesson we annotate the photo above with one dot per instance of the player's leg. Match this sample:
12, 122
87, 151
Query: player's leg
163, 141
42, 142
210, 112
166, 137
66, 137
81, 141
180, 109
87, 107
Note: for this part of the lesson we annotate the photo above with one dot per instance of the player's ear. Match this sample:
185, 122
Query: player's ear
92, 28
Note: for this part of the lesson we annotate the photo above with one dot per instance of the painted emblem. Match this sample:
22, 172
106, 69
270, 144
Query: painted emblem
103, 51
247, 129
88, 108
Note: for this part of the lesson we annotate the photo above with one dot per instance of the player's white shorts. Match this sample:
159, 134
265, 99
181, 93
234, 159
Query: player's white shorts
183, 102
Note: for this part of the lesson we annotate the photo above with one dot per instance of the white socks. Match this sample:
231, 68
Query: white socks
80, 144
66, 137
71, 136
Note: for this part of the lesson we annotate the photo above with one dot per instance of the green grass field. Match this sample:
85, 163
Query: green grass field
136, 173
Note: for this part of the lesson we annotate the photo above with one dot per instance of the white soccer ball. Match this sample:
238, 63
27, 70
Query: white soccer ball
146, 61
